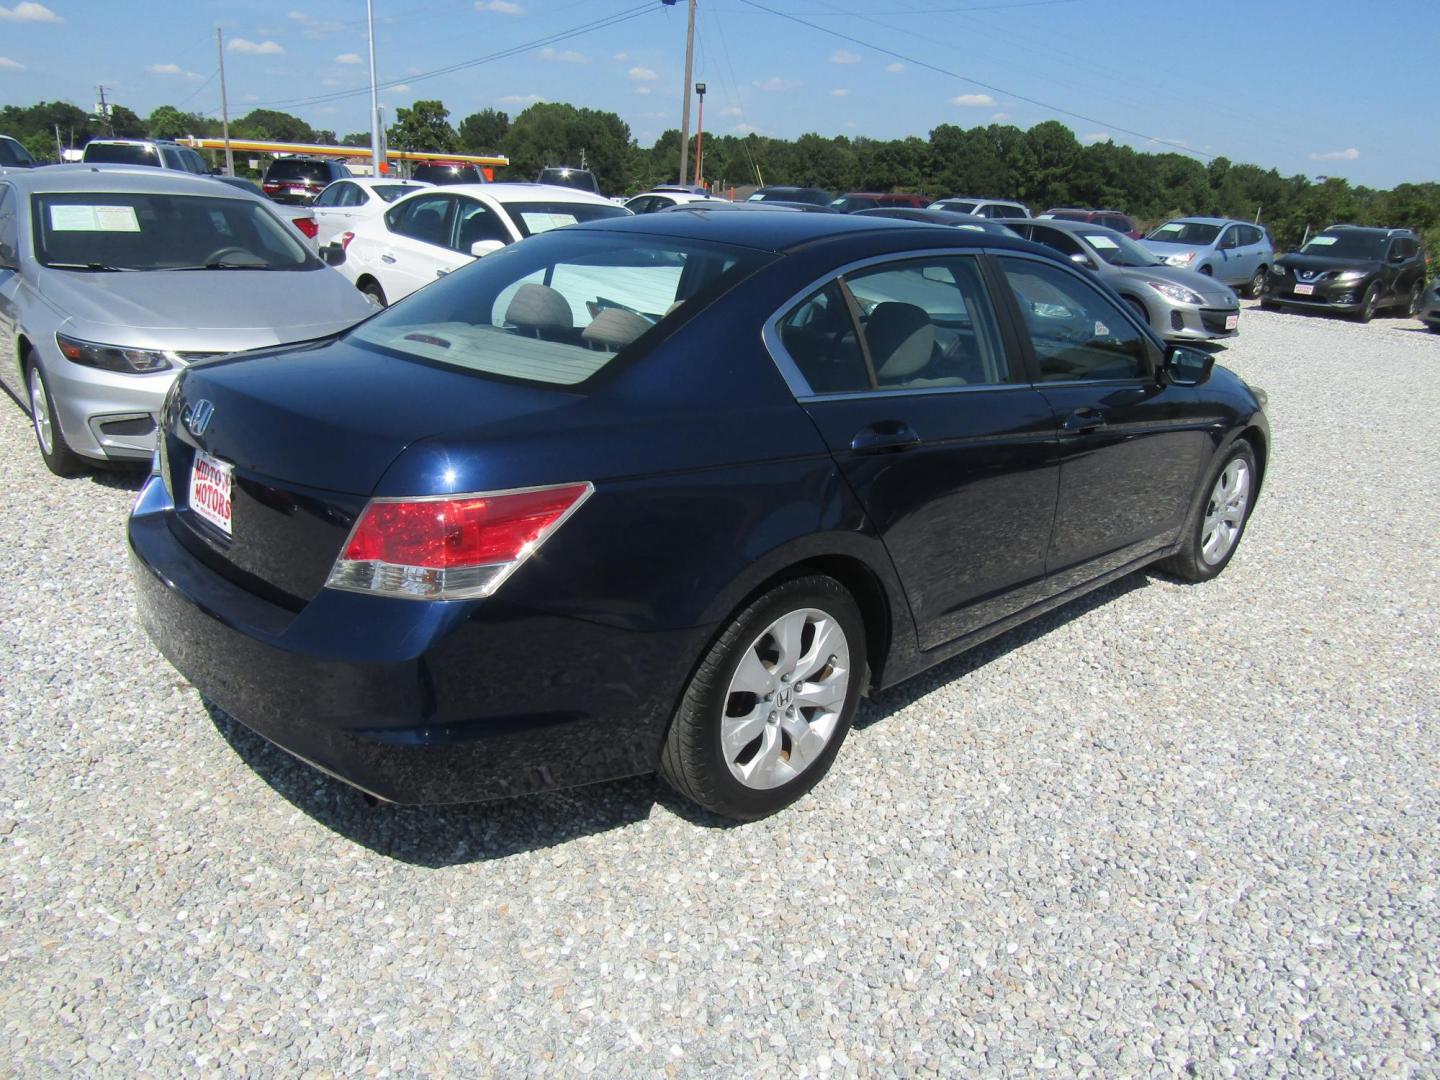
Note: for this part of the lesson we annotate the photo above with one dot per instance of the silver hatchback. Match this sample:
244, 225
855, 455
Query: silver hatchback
1179, 305
112, 279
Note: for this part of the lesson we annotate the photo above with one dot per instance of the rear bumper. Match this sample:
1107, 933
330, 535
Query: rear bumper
413, 702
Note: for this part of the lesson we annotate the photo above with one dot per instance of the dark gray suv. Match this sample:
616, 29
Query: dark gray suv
1351, 270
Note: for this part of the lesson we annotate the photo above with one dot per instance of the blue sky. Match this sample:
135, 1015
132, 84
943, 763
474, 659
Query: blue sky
1320, 88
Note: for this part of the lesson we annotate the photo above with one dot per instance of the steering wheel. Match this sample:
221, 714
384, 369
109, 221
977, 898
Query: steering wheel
220, 253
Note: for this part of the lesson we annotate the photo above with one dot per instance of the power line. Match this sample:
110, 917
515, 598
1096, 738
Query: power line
976, 82
550, 39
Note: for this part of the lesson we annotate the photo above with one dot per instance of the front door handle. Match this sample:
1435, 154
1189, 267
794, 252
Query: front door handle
441, 273
387, 258
887, 435
1081, 421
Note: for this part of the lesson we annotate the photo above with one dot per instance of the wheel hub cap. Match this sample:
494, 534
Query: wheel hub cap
1225, 512
785, 699
40, 412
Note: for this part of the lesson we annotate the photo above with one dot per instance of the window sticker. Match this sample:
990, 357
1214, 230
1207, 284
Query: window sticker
1101, 330
94, 219
1102, 243
538, 223
1321, 241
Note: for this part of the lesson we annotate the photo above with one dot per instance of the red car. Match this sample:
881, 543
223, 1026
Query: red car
873, 200
1111, 219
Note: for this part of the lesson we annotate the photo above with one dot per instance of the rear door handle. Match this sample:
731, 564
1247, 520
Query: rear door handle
441, 273
886, 435
1082, 420
387, 258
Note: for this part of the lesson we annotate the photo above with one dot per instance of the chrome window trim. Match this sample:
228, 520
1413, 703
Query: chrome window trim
790, 371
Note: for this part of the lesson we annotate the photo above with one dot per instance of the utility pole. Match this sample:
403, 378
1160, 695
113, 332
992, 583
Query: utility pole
685, 121
104, 108
700, 137
224, 106
377, 153
59, 150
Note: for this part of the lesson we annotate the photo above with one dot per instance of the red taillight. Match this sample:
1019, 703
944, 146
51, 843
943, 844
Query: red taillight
307, 225
345, 239
450, 548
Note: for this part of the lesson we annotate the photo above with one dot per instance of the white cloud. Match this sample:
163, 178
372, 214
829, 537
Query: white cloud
621, 57
28, 12
500, 7
6, 64
312, 26
733, 110
349, 58
564, 56
400, 88
1350, 154
254, 48
973, 101
839, 91
895, 68
1096, 137
845, 56
173, 69
775, 84
250, 97
520, 99
746, 129
999, 117
641, 74
642, 89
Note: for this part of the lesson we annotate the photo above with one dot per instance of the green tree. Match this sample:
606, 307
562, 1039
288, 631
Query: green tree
168, 122
272, 125
424, 126
555, 134
484, 132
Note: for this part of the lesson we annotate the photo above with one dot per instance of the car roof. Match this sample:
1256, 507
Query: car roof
1085, 227
1200, 220
779, 232
371, 181
518, 191
141, 179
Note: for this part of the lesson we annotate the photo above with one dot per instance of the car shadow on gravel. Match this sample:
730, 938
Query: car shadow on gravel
440, 836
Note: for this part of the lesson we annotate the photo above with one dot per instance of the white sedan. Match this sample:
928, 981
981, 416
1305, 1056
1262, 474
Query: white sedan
665, 196
425, 235
346, 203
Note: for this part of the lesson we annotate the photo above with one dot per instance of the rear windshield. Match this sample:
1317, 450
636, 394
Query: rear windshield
538, 217
954, 206
1346, 244
1185, 232
449, 174
1070, 215
12, 153
580, 179
122, 154
559, 309
848, 204
391, 192
105, 232
298, 170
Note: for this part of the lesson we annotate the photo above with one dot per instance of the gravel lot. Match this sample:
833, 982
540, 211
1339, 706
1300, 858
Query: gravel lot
1165, 831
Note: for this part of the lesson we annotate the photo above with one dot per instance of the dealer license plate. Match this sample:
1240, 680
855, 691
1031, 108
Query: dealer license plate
210, 482
1304, 290
1232, 322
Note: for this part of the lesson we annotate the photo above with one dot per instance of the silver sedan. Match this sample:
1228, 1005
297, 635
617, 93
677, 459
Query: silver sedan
1179, 305
113, 278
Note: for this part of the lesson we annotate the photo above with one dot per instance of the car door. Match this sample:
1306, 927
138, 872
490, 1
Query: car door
1404, 268
917, 390
10, 373
476, 222
1131, 447
1229, 263
331, 215
416, 243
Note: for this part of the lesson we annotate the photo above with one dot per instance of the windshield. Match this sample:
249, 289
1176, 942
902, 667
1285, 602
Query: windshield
954, 206
538, 217
848, 204
99, 231
580, 179
1117, 249
1186, 232
449, 174
391, 192
556, 310
1346, 244
1068, 215
121, 154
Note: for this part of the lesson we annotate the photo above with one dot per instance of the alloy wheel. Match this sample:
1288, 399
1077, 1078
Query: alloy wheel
1415, 294
1257, 284
785, 699
40, 412
1225, 512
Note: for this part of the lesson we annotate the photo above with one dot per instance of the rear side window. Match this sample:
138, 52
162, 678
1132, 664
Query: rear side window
9, 227
1077, 332
423, 218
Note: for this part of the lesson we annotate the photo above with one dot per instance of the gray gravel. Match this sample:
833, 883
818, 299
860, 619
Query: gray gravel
1166, 831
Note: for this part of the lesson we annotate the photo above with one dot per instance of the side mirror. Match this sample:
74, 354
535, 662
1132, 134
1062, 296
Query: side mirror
1397, 256
332, 254
1186, 367
1080, 259
481, 248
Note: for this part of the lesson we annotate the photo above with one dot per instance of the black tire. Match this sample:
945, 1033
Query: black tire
372, 289
1412, 309
59, 458
693, 761
1268, 305
1368, 303
1139, 309
1207, 271
1256, 289
1190, 562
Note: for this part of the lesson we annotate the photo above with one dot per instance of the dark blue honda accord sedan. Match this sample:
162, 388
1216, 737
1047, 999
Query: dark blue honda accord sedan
668, 493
